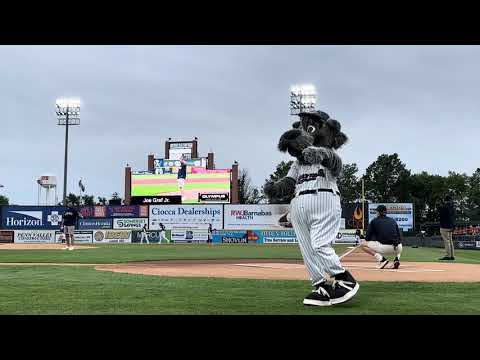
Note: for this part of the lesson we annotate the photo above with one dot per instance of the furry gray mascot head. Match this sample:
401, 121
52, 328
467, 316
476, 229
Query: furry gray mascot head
312, 140
313, 129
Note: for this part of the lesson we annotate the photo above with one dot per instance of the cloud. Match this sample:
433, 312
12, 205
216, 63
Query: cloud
418, 101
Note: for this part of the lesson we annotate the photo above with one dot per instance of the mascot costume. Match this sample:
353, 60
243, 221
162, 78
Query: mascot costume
315, 210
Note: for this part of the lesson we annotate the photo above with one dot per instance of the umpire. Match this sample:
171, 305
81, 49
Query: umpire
447, 223
383, 237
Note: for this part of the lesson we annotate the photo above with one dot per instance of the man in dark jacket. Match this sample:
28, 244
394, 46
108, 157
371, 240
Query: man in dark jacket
69, 220
383, 237
447, 223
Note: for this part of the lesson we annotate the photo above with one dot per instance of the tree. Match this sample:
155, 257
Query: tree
473, 204
3, 200
280, 172
85, 200
387, 180
73, 199
247, 193
115, 200
457, 185
349, 184
102, 200
88, 200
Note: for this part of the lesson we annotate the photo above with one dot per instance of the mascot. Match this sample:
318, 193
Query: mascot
315, 210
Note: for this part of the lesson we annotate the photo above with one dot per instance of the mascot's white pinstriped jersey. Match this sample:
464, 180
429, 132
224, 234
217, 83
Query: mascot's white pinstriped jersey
316, 219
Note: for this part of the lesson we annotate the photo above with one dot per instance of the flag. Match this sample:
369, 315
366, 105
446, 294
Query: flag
81, 186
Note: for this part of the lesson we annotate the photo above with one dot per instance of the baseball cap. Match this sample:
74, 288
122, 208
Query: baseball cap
381, 208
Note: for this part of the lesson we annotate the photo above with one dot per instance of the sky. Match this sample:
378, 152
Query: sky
421, 102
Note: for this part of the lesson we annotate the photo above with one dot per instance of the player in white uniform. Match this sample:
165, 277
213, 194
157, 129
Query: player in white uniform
315, 209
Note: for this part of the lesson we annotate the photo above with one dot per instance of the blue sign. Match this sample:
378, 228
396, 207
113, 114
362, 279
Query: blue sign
275, 236
32, 217
94, 224
225, 236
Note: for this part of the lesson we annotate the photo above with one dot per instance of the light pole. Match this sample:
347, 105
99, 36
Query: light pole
302, 98
68, 113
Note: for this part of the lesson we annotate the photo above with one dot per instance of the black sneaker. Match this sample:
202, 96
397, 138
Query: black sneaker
447, 258
319, 297
396, 264
384, 262
344, 288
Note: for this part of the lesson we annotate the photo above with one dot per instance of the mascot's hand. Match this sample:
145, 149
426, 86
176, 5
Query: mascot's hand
281, 190
315, 155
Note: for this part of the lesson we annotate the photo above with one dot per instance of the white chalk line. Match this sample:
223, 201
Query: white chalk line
286, 266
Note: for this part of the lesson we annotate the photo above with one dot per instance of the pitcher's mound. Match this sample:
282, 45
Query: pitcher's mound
295, 270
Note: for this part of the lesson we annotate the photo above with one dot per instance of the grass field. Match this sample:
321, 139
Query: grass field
83, 290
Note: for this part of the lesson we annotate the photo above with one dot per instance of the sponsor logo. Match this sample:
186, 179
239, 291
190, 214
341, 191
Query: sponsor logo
95, 223
213, 197
54, 218
248, 215
186, 211
99, 236
280, 240
117, 235
29, 219
234, 240
34, 236
129, 223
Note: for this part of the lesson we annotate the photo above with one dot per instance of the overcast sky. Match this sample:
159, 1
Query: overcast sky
419, 101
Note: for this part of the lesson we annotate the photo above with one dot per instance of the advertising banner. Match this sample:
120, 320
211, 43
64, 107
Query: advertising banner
254, 217
477, 244
127, 211
152, 200
79, 236
99, 211
94, 224
230, 237
112, 236
32, 217
189, 235
346, 236
154, 237
6, 236
198, 216
402, 213
278, 237
130, 223
189, 188
34, 236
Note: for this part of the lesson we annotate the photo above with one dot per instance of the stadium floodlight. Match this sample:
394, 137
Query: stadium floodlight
303, 98
68, 113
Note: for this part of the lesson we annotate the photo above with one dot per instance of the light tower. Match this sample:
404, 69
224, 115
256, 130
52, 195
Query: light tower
68, 113
302, 98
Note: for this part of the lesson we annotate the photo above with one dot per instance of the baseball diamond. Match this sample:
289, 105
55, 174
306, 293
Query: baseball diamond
249, 276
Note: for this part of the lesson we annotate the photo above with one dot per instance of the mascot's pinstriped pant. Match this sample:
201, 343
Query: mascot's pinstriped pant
316, 220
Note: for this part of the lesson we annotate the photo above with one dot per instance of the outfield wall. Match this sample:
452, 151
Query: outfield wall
247, 224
